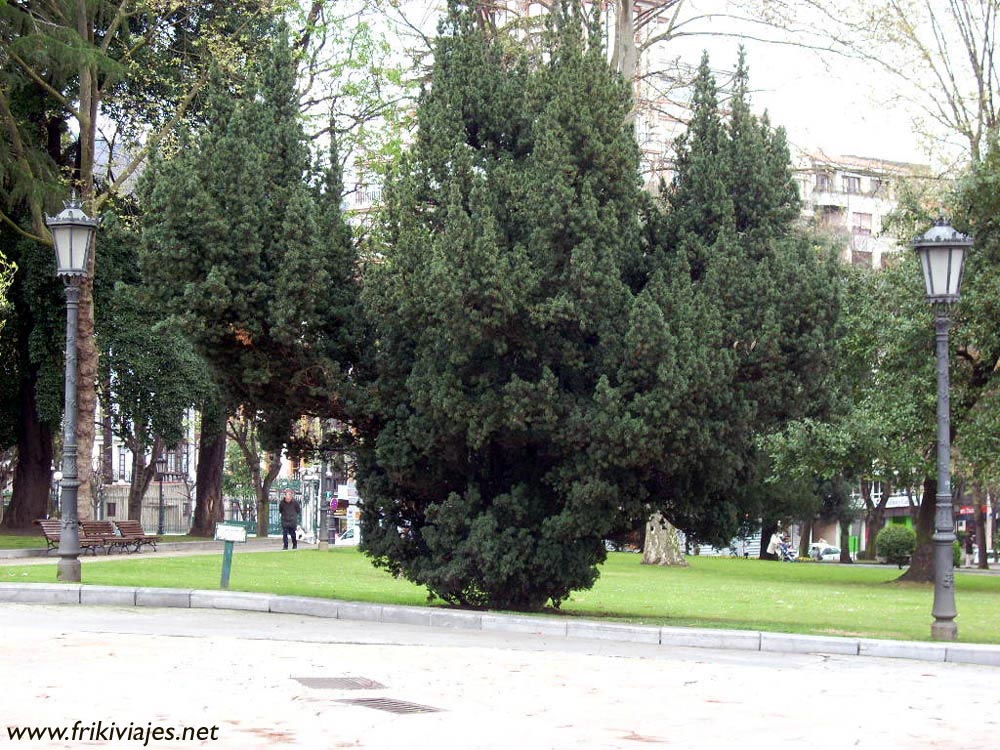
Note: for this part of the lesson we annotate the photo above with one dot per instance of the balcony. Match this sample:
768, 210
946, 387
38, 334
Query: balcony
829, 197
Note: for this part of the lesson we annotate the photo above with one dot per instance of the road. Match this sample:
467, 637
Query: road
236, 676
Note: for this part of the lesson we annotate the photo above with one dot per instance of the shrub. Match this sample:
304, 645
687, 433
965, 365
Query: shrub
896, 544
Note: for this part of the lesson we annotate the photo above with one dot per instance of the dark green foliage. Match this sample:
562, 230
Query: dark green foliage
150, 374
260, 266
498, 311
767, 301
896, 544
556, 357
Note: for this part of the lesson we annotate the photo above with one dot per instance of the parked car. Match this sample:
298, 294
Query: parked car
350, 538
824, 553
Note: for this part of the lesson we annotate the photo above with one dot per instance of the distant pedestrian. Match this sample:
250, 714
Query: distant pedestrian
291, 513
774, 545
969, 549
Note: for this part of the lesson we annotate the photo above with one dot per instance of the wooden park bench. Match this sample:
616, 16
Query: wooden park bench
106, 531
52, 531
134, 531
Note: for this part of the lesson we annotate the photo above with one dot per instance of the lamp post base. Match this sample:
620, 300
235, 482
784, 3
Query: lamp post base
68, 570
944, 630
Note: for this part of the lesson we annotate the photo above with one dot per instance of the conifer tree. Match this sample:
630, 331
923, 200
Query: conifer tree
261, 265
730, 216
497, 313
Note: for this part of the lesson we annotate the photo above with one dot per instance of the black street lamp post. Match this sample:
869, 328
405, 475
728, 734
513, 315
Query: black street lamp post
73, 236
942, 252
161, 469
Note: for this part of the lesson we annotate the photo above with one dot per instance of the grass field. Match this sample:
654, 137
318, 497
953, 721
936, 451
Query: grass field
712, 592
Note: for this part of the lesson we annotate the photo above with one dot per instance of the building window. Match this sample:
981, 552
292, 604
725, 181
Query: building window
861, 223
823, 182
121, 463
861, 258
852, 184
112, 510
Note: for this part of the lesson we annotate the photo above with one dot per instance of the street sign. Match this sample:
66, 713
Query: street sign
229, 535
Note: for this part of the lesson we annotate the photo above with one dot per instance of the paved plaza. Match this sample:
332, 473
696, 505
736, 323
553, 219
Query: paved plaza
250, 680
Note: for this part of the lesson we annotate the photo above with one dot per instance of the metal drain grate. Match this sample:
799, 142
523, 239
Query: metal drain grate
339, 683
390, 705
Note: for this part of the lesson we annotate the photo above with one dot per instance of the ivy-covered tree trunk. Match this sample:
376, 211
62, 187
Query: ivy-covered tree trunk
208, 509
662, 545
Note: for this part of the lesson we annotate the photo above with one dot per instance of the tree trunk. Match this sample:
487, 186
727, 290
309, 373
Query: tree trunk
845, 542
86, 390
979, 497
921, 568
107, 448
142, 475
662, 546
33, 471
263, 487
765, 538
208, 508
805, 539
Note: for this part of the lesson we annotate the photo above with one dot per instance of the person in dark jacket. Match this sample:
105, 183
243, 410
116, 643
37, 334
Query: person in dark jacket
291, 512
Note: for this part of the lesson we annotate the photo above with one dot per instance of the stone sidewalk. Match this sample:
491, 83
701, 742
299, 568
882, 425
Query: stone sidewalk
261, 680
548, 626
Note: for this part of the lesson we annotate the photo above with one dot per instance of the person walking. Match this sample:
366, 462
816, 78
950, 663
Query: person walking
290, 512
969, 548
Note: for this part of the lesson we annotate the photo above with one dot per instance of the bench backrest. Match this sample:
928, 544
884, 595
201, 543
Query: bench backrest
97, 528
131, 528
51, 527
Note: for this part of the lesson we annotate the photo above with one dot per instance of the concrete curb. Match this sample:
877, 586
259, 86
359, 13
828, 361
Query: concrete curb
741, 640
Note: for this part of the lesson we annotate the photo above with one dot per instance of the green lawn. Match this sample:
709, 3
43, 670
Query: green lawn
712, 592
22, 540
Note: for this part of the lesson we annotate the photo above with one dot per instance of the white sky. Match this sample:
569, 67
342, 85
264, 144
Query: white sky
823, 101
835, 109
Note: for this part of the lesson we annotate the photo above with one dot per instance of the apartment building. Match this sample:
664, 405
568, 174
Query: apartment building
851, 197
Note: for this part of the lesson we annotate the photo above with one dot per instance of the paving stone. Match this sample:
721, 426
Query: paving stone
742, 640
358, 611
973, 654
901, 650
514, 624
113, 595
462, 620
406, 615
613, 632
304, 605
231, 600
808, 644
40, 593
150, 597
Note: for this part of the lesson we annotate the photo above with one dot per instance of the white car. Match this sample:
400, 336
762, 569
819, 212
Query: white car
350, 538
824, 553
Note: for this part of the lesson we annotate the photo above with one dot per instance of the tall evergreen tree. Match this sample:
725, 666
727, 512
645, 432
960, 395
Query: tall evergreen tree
772, 296
497, 311
261, 268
